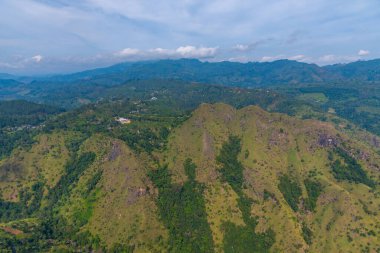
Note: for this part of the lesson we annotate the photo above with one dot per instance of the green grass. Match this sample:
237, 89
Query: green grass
84, 212
318, 98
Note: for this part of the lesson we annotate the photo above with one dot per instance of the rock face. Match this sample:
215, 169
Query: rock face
326, 140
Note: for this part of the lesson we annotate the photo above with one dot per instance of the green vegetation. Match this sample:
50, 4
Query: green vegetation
307, 234
17, 113
357, 102
314, 189
29, 203
182, 209
291, 191
149, 129
347, 168
232, 169
73, 171
19, 123
9, 140
91, 184
244, 239
240, 238
317, 98
72, 214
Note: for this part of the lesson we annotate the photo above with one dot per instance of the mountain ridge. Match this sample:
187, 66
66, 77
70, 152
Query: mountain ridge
225, 72
284, 178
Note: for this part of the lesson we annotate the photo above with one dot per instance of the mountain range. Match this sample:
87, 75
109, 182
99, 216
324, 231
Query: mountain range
211, 157
250, 74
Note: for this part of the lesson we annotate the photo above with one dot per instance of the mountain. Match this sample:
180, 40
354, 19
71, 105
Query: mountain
227, 73
218, 180
358, 71
252, 74
350, 91
6, 76
195, 167
8, 83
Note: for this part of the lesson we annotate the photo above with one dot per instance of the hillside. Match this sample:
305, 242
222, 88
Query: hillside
19, 121
223, 180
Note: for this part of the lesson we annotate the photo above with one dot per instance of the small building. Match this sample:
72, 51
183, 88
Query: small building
123, 120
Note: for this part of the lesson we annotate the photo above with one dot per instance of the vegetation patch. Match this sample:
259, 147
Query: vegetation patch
307, 234
240, 238
30, 202
347, 168
314, 189
74, 169
83, 214
291, 191
232, 169
183, 211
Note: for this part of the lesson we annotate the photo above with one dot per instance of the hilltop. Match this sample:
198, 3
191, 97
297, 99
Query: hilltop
220, 179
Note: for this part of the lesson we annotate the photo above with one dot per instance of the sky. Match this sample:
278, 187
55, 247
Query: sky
62, 36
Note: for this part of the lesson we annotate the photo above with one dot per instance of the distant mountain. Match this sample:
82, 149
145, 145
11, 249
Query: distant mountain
359, 71
6, 76
252, 74
226, 73
344, 89
8, 83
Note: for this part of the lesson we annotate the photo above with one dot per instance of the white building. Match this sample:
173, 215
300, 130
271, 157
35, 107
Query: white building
123, 120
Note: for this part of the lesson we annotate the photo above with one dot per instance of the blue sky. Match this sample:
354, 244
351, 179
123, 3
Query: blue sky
58, 36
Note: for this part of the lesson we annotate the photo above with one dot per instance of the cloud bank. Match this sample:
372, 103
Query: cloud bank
163, 53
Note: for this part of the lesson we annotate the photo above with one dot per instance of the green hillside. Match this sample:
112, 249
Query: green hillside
221, 180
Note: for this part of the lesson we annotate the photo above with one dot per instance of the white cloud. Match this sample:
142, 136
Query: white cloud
271, 58
90, 27
241, 47
328, 58
37, 58
299, 57
126, 52
159, 53
331, 59
252, 46
363, 52
241, 59
196, 52
7, 65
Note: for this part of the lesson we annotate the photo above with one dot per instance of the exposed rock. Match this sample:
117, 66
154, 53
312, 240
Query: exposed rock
135, 193
326, 140
115, 151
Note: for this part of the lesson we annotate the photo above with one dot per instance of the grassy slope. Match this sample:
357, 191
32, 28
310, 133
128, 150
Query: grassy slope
275, 144
120, 208
45, 160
